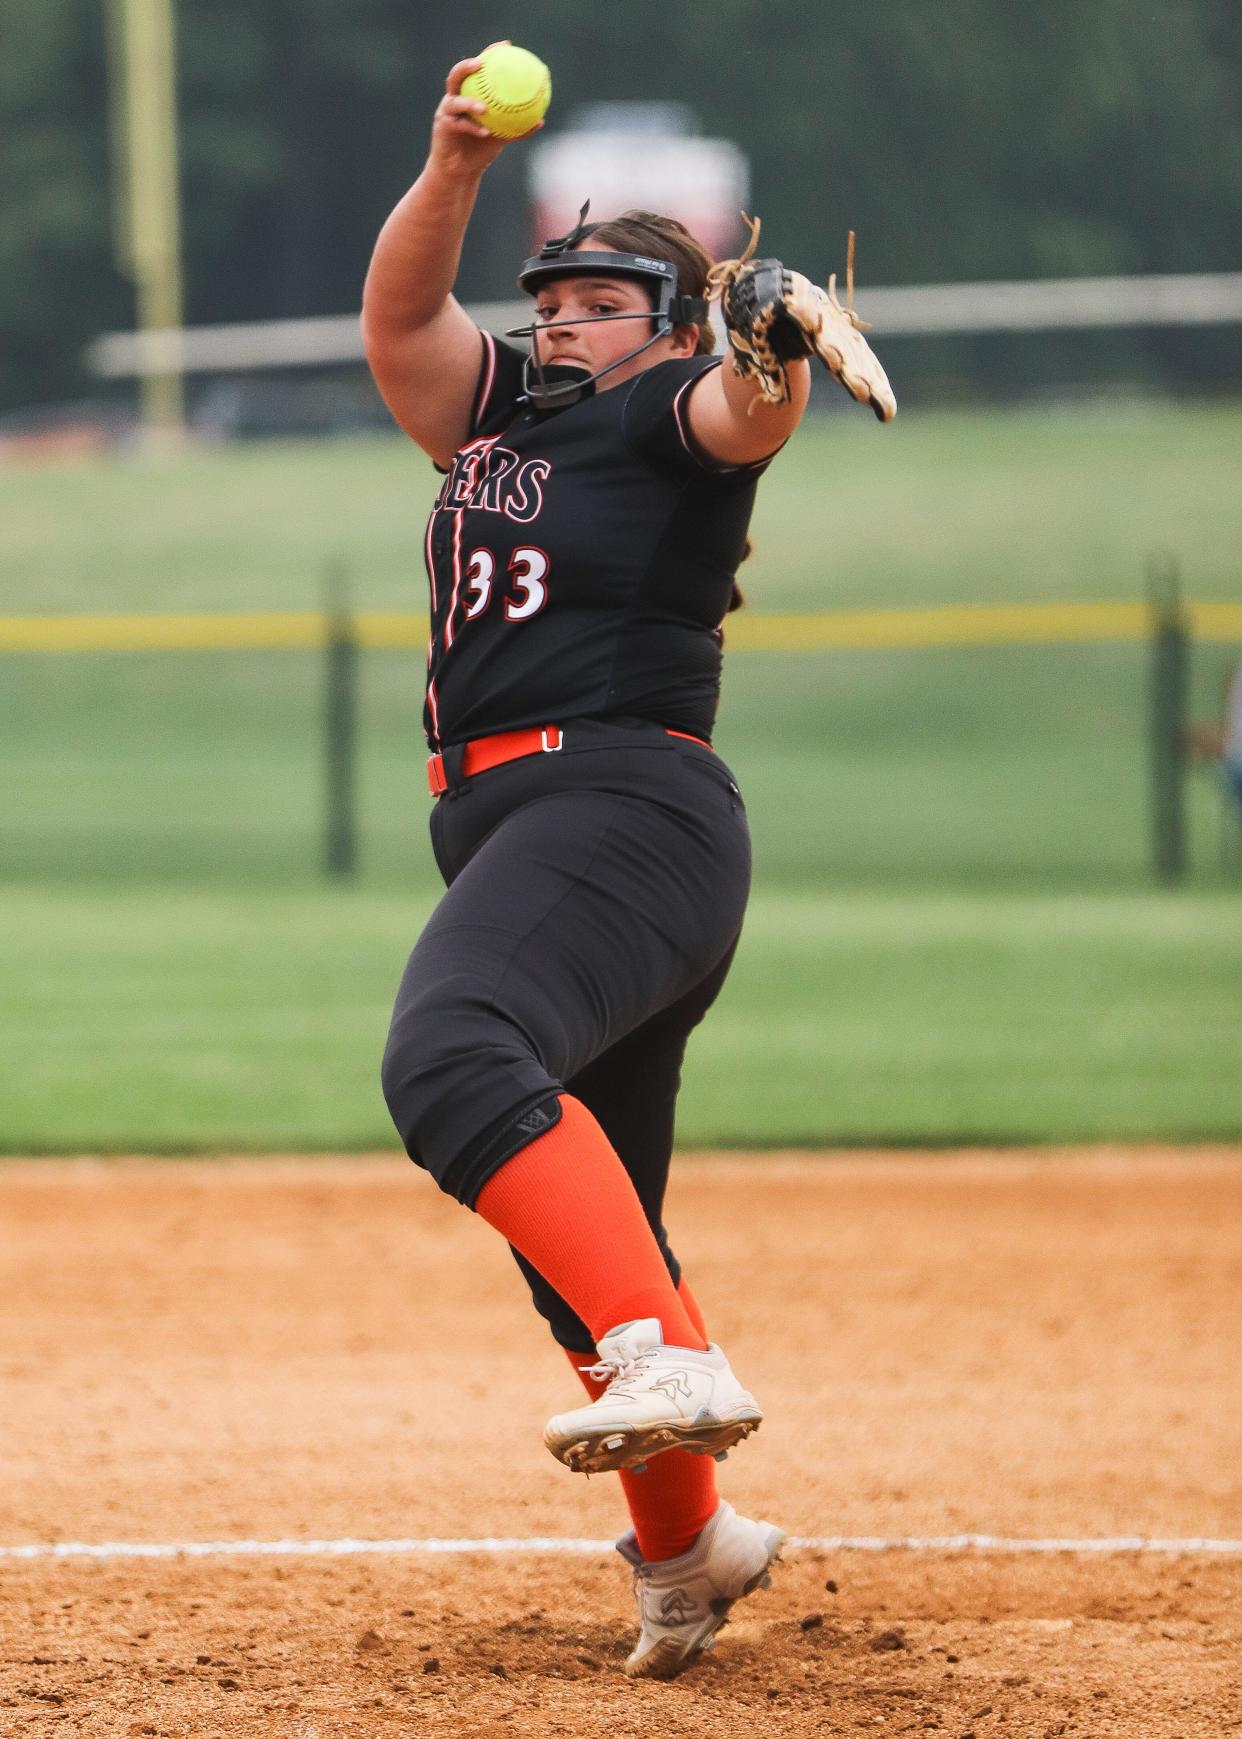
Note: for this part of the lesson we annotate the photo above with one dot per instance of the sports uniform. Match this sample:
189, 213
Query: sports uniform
581, 557
580, 563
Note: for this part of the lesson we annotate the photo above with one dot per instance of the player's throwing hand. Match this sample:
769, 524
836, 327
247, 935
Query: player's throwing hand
460, 143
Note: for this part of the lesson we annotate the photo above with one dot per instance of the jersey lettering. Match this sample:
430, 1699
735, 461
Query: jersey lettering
463, 478
492, 479
480, 571
521, 506
529, 568
502, 461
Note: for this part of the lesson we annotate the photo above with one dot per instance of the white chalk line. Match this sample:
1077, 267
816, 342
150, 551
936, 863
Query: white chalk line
553, 1546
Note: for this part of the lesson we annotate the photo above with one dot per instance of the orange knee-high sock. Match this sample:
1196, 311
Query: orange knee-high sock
566, 1202
692, 1307
674, 1500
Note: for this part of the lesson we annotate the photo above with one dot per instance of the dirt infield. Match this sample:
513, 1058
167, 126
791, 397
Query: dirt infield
1036, 1347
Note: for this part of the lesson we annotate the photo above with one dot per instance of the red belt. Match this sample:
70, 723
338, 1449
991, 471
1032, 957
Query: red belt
486, 752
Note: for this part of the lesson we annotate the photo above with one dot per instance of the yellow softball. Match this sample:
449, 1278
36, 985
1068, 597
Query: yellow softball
515, 85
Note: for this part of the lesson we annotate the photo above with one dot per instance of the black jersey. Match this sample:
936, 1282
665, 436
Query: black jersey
581, 561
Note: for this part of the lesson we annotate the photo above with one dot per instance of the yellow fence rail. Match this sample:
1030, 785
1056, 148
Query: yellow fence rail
946, 626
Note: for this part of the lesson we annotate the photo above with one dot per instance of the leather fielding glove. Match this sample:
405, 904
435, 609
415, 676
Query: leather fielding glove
773, 315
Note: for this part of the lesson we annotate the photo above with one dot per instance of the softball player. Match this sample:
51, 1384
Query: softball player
581, 553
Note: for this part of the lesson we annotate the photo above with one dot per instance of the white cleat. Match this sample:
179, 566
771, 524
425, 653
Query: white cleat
659, 1397
684, 1601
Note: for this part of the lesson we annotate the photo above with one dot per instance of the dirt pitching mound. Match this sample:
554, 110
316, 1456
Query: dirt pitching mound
1036, 1347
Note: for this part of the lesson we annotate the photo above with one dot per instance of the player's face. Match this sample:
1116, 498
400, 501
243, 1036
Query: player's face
596, 344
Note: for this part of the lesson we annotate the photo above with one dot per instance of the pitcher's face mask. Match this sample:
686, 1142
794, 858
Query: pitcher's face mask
552, 386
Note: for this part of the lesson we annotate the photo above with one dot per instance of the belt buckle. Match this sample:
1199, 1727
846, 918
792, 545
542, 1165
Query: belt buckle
552, 748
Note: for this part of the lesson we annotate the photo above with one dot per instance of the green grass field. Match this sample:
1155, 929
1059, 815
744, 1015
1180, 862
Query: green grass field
174, 1019
939, 508
998, 768
953, 937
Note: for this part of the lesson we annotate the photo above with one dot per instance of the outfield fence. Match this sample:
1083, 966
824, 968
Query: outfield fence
1004, 740
900, 311
946, 626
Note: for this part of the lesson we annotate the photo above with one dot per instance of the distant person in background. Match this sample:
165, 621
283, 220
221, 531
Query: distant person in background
1221, 739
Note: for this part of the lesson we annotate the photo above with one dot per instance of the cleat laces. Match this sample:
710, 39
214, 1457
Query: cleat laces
606, 1370
618, 1369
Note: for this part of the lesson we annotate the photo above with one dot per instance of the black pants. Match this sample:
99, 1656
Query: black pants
594, 901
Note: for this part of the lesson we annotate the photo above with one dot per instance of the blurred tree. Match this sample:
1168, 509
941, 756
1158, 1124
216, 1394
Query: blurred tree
964, 140
58, 284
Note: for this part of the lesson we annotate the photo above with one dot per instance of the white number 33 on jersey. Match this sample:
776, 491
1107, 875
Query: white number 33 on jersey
526, 592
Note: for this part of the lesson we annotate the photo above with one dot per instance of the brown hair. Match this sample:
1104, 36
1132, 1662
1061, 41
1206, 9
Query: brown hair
662, 238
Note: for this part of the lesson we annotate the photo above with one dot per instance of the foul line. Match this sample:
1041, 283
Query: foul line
815, 631
551, 1546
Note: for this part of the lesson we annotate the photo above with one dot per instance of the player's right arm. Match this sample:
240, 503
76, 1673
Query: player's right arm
422, 347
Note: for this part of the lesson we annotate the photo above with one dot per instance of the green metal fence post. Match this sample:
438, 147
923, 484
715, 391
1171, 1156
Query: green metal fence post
340, 848
1169, 684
